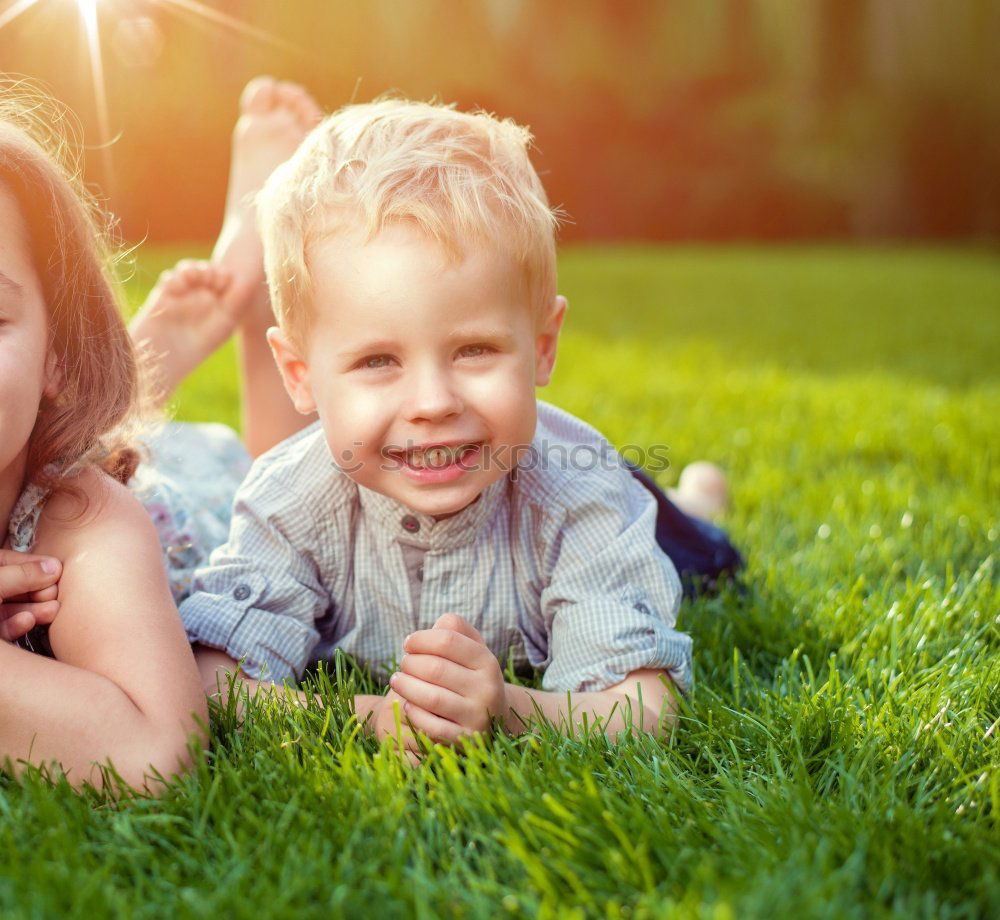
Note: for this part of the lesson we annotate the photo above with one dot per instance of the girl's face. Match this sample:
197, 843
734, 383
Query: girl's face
27, 365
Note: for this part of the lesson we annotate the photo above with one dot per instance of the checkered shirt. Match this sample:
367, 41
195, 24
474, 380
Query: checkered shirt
555, 564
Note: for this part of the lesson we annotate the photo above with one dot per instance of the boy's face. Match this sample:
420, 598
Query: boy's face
422, 370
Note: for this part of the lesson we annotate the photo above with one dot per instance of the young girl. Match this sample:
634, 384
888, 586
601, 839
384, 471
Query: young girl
122, 685
101, 670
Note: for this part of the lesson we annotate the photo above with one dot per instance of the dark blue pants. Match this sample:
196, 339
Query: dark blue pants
701, 551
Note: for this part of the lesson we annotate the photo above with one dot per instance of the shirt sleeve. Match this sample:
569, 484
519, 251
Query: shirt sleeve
611, 601
261, 594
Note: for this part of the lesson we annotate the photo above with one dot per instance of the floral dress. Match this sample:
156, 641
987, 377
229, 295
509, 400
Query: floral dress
187, 487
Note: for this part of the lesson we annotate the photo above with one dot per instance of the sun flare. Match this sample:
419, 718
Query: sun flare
14, 10
91, 14
88, 10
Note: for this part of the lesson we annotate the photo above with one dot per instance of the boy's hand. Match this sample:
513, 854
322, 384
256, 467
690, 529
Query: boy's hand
450, 680
384, 725
29, 592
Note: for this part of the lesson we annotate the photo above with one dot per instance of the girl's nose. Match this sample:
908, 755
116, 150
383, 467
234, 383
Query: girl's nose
432, 397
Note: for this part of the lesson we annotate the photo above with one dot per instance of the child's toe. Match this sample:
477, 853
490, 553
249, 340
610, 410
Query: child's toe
194, 272
702, 490
259, 95
706, 478
172, 281
220, 278
299, 100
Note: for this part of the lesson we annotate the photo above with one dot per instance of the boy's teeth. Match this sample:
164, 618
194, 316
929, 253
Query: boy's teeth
435, 457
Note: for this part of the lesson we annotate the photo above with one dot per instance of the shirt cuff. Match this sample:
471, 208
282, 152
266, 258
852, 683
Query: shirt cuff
596, 651
272, 647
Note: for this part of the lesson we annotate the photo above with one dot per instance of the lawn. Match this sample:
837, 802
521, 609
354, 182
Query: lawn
840, 756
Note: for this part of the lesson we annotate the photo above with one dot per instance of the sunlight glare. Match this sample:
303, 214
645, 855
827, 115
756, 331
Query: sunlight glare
15, 10
88, 15
88, 12
201, 11
194, 11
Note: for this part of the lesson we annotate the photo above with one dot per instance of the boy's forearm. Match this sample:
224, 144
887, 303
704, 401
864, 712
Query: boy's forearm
365, 706
215, 667
618, 707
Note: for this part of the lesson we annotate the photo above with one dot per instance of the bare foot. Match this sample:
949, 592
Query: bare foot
274, 118
185, 318
702, 490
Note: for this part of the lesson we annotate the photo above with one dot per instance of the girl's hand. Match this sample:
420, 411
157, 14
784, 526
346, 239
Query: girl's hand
451, 682
29, 592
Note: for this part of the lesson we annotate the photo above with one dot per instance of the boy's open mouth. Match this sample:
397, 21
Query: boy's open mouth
437, 456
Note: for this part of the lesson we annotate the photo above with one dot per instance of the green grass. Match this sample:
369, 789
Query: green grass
837, 757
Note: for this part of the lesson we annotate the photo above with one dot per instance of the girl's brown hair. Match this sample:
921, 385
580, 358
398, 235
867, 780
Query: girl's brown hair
69, 237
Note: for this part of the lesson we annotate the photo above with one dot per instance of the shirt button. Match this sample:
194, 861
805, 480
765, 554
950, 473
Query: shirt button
420, 573
410, 524
241, 592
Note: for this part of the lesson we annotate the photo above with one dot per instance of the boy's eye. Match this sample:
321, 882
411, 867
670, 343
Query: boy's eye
375, 362
474, 351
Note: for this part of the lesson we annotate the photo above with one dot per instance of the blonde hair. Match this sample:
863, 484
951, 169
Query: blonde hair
68, 241
460, 177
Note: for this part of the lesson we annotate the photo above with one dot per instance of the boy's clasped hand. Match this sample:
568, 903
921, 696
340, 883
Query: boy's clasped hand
449, 683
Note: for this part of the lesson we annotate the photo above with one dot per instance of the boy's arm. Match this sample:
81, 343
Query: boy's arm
260, 597
645, 700
605, 623
215, 668
452, 686
610, 599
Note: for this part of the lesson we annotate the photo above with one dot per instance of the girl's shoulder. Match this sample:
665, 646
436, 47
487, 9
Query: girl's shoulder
94, 506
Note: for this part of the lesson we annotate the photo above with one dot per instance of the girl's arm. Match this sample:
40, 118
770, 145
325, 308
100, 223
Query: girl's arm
124, 686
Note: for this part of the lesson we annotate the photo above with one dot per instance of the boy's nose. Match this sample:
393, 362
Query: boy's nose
432, 397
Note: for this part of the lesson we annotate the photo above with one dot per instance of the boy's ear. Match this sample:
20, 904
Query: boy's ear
546, 340
294, 370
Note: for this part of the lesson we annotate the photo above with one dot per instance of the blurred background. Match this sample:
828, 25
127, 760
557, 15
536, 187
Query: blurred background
654, 119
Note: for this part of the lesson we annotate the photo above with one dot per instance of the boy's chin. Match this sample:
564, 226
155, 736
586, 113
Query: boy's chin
439, 502
441, 508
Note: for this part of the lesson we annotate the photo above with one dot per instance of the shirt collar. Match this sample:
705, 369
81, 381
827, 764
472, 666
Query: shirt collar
401, 523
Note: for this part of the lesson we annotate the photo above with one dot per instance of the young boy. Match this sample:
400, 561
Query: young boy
436, 514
